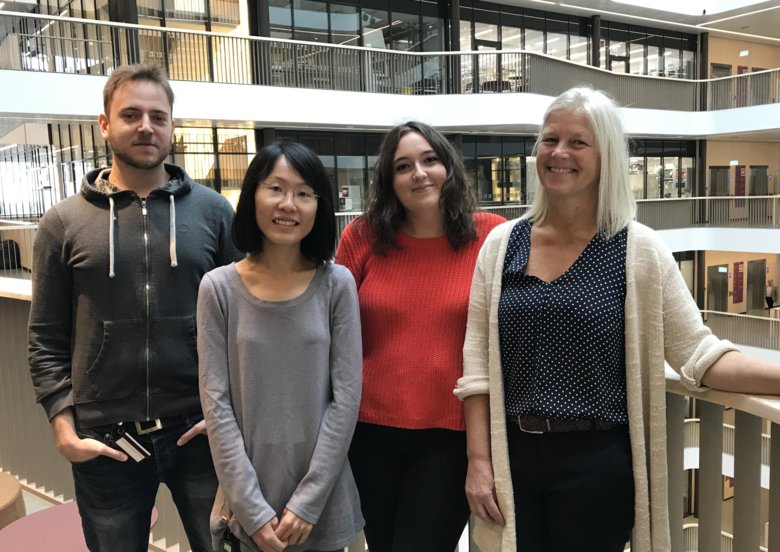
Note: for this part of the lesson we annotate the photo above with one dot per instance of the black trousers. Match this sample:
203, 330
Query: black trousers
572, 490
412, 487
770, 302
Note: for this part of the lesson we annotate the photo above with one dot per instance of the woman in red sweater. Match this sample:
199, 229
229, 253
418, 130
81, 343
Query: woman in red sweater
412, 255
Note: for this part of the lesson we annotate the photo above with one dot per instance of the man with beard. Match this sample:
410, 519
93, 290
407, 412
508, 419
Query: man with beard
112, 334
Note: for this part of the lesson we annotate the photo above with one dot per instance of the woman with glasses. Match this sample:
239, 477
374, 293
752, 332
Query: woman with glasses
412, 254
280, 365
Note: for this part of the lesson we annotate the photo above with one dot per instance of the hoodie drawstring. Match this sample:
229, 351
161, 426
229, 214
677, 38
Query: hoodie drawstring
110, 237
172, 233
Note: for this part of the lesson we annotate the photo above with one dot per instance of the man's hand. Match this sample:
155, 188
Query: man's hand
292, 529
73, 447
266, 540
197, 429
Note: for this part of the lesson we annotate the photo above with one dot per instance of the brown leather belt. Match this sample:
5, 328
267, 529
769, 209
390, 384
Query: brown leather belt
530, 423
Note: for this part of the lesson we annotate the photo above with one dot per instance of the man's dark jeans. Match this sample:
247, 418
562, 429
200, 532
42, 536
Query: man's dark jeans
115, 499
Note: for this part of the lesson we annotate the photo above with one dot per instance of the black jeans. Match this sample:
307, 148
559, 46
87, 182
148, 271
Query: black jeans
412, 487
115, 499
572, 490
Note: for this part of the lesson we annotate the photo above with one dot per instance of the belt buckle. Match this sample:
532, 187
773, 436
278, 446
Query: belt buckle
524, 430
141, 430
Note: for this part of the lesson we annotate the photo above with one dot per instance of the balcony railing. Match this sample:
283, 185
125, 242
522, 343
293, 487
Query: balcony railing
710, 212
748, 449
69, 45
662, 214
742, 329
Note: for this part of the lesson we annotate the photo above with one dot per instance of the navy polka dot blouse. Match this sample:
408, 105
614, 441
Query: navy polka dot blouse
562, 342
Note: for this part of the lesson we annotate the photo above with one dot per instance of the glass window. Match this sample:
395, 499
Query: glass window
321, 142
534, 41
618, 56
511, 38
636, 171
189, 10
637, 40
193, 149
466, 62
280, 18
655, 178
236, 149
672, 55
350, 181
686, 178
375, 28
556, 45
465, 36
485, 31
344, 24
311, 20
405, 32
329, 162
433, 34
672, 62
579, 49
636, 54
654, 62
489, 168
670, 174
102, 10
688, 70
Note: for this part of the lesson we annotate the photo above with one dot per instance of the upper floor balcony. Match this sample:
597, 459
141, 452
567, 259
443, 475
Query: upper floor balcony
41, 53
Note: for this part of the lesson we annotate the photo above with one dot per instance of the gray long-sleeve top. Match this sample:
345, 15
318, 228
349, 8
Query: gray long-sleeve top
280, 385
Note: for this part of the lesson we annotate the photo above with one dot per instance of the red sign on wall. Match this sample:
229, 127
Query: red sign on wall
739, 275
739, 180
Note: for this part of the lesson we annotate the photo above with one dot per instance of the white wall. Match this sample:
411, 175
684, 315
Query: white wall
47, 96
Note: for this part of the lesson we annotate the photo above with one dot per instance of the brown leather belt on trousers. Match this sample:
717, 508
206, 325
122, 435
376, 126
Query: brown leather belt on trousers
530, 423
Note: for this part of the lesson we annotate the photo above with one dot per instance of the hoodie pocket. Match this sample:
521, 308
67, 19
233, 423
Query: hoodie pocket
118, 370
174, 354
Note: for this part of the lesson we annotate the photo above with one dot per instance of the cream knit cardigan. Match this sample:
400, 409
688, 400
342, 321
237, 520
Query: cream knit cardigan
662, 323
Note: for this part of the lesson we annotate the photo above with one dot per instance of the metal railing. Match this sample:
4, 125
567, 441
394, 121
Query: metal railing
744, 329
710, 212
750, 416
662, 214
69, 45
16, 242
691, 532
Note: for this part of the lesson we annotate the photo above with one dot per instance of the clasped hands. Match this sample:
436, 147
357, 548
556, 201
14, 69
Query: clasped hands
276, 535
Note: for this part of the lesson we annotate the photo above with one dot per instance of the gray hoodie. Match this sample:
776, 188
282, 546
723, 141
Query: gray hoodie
115, 284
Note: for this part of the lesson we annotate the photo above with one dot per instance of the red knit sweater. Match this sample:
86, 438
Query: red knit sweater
413, 307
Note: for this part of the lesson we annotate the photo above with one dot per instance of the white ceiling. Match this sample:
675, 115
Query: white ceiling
757, 21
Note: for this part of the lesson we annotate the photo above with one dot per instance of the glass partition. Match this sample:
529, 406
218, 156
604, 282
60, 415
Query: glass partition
344, 24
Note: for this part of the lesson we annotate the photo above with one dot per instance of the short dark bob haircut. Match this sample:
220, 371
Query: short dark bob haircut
319, 244
385, 213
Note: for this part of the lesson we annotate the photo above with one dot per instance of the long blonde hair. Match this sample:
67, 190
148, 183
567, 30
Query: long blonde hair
616, 205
